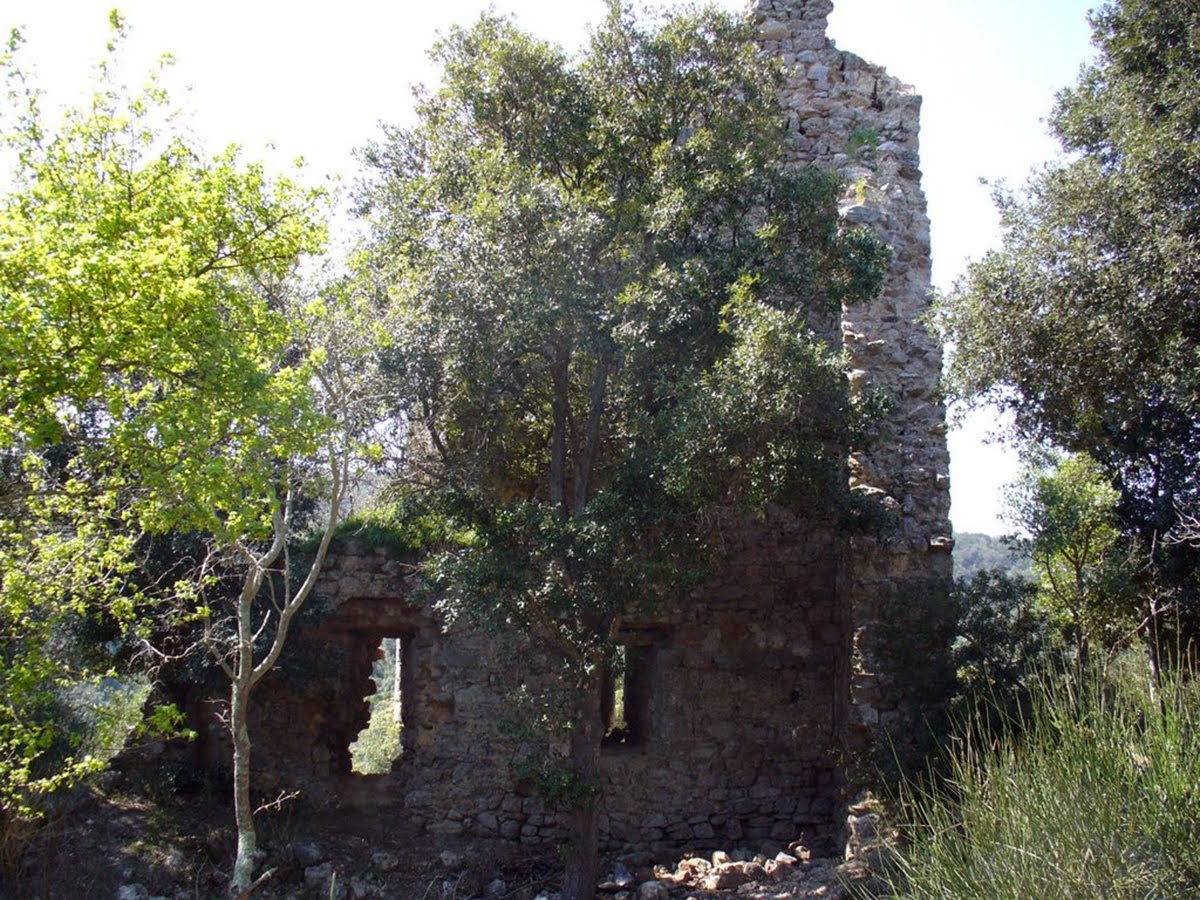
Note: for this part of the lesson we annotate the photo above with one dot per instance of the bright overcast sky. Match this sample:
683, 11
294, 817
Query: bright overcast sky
315, 80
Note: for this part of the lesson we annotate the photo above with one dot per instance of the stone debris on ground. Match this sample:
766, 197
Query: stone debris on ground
773, 873
790, 873
308, 852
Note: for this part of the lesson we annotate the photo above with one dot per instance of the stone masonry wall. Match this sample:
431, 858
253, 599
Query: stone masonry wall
743, 706
849, 116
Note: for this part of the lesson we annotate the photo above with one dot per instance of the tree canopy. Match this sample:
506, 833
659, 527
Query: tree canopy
1083, 570
162, 372
1086, 323
604, 283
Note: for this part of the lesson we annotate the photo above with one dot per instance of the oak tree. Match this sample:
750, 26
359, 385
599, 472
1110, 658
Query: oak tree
1085, 324
606, 287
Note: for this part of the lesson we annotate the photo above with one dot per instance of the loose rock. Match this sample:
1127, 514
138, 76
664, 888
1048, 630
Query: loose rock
308, 852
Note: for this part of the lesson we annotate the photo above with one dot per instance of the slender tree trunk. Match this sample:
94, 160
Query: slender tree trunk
247, 838
560, 406
582, 859
591, 440
397, 715
241, 682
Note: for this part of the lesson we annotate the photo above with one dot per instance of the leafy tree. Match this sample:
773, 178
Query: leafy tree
251, 571
1086, 324
1082, 564
1003, 644
602, 278
983, 552
158, 376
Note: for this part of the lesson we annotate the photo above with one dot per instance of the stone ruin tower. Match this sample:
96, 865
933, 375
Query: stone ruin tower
847, 115
741, 705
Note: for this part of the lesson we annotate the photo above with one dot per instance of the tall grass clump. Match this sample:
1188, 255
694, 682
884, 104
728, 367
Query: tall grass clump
1095, 793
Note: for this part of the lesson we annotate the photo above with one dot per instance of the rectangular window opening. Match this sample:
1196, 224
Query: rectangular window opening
390, 726
626, 694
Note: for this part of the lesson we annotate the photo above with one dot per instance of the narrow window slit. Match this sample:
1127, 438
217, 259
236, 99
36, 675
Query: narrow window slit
625, 695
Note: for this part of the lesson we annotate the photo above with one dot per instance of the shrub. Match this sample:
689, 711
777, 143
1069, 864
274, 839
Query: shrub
1003, 640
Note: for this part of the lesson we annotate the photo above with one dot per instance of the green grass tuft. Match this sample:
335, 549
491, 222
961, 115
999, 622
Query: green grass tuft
405, 527
1096, 794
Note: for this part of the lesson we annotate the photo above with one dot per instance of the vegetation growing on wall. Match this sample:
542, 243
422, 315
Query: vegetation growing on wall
602, 276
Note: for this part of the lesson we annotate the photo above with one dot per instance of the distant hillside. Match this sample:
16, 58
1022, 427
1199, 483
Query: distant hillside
975, 552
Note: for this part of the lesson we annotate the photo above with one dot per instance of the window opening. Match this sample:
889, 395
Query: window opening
625, 695
383, 741
616, 726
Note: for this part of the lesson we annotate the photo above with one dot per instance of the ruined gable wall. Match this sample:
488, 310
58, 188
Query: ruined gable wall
849, 116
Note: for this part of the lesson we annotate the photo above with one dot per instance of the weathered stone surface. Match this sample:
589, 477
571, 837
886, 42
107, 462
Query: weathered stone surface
321, 879
726, 878
653, 890
864, 124
862, 214
365, 887
384, 861
307, 852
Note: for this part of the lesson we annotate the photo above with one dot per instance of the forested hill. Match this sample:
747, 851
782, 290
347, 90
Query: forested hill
975, 552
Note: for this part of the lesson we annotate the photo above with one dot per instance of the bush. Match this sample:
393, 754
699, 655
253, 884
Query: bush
1003, 640
1094, 795
406, 525
63, 734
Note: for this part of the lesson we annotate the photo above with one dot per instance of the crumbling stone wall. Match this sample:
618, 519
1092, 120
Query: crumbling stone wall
743, 689
847, 115
756, 684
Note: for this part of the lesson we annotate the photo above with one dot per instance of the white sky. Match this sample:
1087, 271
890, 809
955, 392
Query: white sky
315, 80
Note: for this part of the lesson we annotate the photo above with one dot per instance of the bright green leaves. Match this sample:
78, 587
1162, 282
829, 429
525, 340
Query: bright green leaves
126, 262
1084, 568
152, 380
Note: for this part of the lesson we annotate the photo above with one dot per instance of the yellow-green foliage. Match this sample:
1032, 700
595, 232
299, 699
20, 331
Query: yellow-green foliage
378, 744
404, 525
1080, 560
149, 381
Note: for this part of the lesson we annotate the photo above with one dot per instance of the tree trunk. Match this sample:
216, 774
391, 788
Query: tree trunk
397, 717
582, 857
247, 839
560, 406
